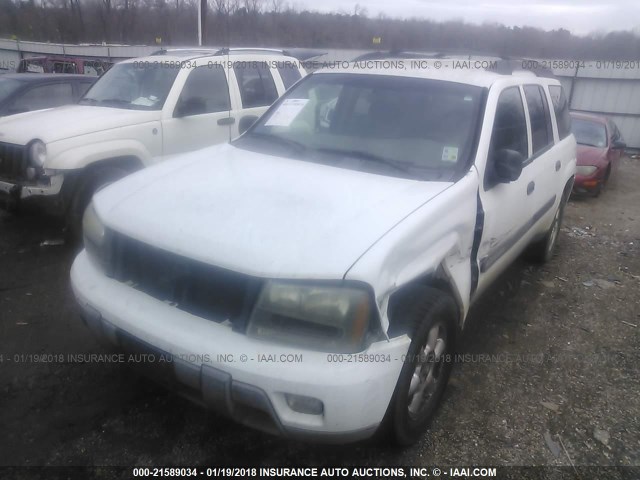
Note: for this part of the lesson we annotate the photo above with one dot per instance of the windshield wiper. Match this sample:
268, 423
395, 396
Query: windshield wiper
364, 155
588, 144
281, 140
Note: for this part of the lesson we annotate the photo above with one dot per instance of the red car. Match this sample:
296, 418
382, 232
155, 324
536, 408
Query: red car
600, 146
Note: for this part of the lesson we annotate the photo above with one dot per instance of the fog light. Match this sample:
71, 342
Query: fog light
302, 404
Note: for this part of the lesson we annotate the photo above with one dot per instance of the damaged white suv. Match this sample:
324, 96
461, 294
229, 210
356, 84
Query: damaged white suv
310, 278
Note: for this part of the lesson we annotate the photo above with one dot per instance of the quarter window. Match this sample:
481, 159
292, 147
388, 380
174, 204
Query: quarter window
256, 84
561, 109
206, 90
510, 126
541, 135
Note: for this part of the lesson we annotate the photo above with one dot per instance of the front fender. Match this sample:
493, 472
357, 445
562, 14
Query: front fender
61, 157
435, 238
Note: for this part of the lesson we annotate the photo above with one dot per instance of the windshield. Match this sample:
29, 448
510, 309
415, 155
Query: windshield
135, 86
398, 126
7, 87
589, 133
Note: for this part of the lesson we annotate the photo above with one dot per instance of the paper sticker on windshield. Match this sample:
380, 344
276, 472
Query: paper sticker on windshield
450, 154
286, 112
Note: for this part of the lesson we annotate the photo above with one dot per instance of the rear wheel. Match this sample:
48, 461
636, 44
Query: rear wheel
430, 321
542, 250
93, 180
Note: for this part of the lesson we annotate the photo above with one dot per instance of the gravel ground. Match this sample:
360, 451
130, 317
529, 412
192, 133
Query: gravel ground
548, 374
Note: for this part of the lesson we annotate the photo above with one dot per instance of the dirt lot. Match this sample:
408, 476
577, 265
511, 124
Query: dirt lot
550, 352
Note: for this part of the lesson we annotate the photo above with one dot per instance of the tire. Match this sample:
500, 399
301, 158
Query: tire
541, 251
428, 316
93, 180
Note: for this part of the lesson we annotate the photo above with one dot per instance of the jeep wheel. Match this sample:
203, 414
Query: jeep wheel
430, 322
93, 180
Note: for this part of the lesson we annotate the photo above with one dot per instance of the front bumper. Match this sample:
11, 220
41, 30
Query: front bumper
244, 378
47, 196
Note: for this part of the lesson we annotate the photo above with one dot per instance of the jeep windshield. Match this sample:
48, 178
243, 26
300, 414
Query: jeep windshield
391, 125
136, 86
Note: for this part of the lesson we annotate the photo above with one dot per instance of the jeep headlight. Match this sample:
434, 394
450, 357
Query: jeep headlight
585, 170
331, 318
37, 153
95, 237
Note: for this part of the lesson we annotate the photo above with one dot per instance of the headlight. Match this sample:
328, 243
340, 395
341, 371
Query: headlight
37, 153
319, 317
585, 170
95, 235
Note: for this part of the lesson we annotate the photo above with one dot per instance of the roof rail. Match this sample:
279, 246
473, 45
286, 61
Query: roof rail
502, 65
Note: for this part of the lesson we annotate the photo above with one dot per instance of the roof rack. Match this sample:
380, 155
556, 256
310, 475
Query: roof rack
502, 65
297, 53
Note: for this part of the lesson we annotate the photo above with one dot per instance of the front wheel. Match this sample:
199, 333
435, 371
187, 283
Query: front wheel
92, 181
430, 321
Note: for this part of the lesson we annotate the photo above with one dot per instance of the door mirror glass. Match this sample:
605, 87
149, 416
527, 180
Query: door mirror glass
507, 165
190, 106
618, 145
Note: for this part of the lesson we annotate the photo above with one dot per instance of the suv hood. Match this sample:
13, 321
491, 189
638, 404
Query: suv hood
68, 121
259, 214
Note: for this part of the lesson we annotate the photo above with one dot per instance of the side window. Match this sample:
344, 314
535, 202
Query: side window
541, 135
44, 96
256, 84
561, 109
205, 91
289, 73
510, 126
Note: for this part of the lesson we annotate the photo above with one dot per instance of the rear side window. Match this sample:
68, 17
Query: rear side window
44, 96
206, 90
289, 73
510, 126
541, 135
561, 109
257, 88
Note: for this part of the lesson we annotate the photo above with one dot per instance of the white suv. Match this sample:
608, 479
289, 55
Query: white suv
310, 278
140, 112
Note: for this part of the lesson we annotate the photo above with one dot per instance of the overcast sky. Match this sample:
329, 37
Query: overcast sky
578, 16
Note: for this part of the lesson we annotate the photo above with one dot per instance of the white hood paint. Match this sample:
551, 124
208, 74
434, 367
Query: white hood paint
259, 214
68, 121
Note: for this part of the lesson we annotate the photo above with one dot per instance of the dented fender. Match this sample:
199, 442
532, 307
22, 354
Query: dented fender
426, 243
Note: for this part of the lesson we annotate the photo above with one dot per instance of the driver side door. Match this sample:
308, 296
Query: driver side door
201, 116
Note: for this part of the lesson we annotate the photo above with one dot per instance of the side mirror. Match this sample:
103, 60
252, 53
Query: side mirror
191, 106
246, 122
618, 145
507, 165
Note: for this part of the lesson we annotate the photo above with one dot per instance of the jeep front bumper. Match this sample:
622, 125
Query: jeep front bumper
44, 194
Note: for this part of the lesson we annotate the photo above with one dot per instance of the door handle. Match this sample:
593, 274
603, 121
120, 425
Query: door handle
558, 165
226, 121
530, 188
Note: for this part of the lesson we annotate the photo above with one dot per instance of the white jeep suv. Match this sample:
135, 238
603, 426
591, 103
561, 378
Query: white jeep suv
140, 112
310, 278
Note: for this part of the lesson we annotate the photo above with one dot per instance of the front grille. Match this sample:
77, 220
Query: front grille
13, 161
204, 290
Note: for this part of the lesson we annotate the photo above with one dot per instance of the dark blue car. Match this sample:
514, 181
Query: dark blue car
23, 92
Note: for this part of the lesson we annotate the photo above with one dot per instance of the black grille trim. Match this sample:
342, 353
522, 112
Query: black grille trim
13, 161
210, 292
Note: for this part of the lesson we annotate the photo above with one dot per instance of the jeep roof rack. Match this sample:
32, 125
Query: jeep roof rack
301, 54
